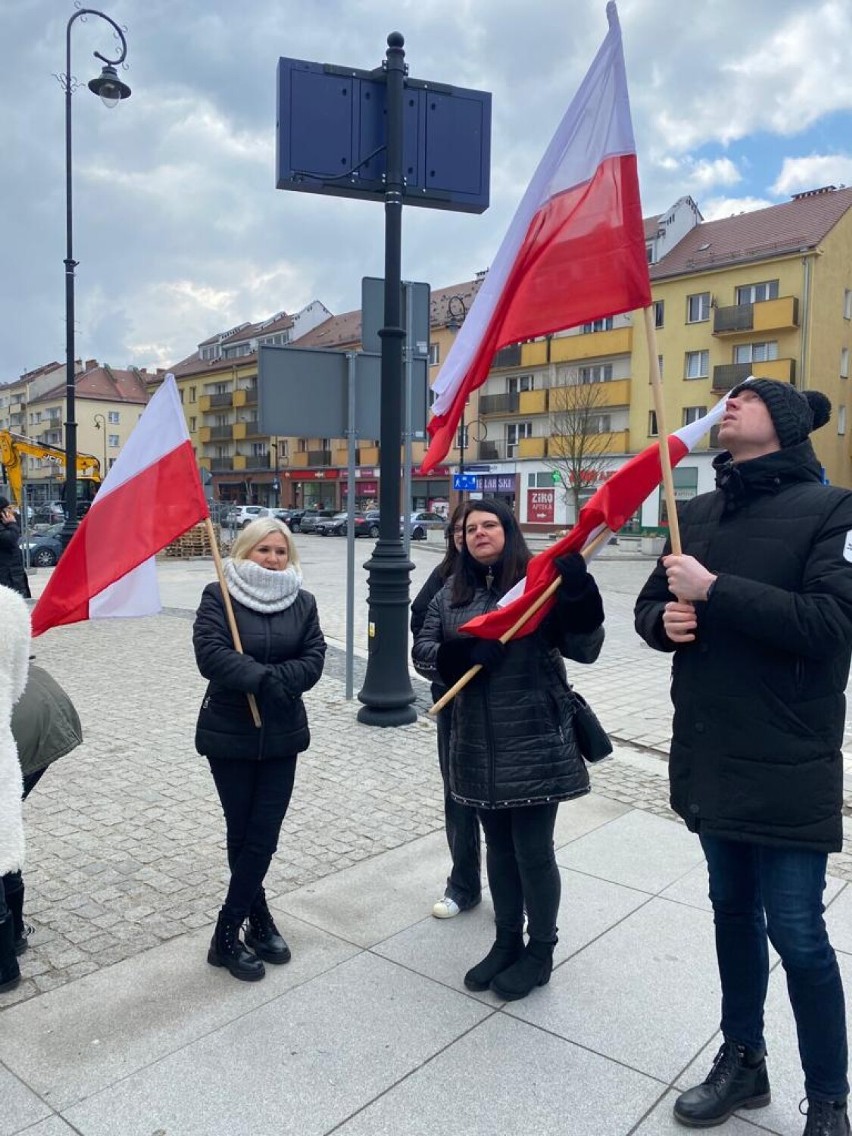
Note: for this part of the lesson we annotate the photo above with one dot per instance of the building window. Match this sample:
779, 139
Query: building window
756, 352
754, 293
514, 432
693, 413
113, 417
841, 420
180, 392
598, 325
599, 424
659, 312
192, 422
847, 303
653, 429
301, 445
698, 307
192, 394
259, 449
844, 362
697, 365
595, 373
434, 354
517, 383
113, 441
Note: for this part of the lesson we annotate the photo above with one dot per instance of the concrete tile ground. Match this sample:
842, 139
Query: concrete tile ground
121, 1027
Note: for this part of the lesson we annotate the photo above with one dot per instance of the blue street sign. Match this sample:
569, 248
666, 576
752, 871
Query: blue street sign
464, 482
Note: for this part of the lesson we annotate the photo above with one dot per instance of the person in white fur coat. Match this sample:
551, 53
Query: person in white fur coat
14, 663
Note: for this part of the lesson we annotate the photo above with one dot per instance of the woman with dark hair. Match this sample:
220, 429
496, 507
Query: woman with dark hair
513, 752
464, 884
253, 767
12, 571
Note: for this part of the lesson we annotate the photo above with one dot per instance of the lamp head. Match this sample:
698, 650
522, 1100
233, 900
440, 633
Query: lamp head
109, 86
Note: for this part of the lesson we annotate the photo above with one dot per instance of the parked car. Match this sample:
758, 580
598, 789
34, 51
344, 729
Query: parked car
311, 517
292, 518
44, 550
338, 525
423, 520
238, 516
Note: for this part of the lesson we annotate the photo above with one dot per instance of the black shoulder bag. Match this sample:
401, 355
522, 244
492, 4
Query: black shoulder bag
592, 739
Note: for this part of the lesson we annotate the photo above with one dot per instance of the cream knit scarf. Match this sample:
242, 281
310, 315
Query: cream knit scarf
259, 588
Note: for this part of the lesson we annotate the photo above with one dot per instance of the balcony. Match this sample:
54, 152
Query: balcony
499, 404
594, 345
340, 456
221, 465
246, 396
319, 457
368, 455
508, 357
487, 451
215, 402
531, 448
727, 376
533, 402
766, 315
249, 429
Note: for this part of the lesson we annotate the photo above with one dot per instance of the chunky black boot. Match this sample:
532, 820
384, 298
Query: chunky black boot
508, 948
827, 1118
10, 972
532, 969
737, 1079
226, 949
263, 936
15, 903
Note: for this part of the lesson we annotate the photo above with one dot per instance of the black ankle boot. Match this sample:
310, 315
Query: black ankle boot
15, 903
508, 948
10, 972
737, 1079
226, 949
827, 1118
263, 936
532, 969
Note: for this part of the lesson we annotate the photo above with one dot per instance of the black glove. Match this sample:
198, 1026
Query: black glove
456, 656
274, 691
572, 568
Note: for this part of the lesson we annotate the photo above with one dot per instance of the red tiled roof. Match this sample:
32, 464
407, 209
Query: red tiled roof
764, 233
105, 384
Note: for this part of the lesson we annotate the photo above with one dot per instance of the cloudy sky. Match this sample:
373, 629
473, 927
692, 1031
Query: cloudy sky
180, 231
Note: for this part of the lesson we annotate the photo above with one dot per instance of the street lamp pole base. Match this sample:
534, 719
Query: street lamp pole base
387, 693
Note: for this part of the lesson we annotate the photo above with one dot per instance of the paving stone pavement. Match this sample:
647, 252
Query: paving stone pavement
125, 836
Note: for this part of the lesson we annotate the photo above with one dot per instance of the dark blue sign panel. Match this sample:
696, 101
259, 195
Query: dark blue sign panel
464, 481
332, 128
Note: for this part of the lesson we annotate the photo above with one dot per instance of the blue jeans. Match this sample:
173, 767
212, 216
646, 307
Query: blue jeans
762, 894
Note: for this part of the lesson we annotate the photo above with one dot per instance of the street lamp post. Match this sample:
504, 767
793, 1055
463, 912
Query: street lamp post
276, 484
111, 90
101, 425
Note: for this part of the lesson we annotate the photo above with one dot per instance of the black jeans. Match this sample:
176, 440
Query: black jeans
762, 894
464, 883
522, 870
254, 796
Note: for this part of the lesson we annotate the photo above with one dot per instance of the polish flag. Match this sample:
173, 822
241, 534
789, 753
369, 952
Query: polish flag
150, 496
610, 507
575, 250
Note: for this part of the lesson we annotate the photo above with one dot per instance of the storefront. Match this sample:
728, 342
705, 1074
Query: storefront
310, 488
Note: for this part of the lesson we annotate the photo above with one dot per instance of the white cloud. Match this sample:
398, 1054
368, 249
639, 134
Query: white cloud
715, 208
798, 174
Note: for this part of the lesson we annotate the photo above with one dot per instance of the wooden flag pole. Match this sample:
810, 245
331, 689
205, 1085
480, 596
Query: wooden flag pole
589, 551
229, 611
665, 456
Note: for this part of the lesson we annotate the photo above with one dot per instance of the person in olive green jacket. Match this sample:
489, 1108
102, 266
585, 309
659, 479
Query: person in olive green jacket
45, 726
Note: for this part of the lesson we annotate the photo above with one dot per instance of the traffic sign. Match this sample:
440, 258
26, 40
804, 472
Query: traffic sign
465, 482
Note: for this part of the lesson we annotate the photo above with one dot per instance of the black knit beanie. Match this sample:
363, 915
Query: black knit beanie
794, 413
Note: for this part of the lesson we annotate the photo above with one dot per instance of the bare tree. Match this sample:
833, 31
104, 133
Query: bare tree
579, 436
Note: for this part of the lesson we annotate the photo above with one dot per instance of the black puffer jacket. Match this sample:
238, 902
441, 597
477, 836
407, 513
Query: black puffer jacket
283, 657
759, 696
512, 739
12, 571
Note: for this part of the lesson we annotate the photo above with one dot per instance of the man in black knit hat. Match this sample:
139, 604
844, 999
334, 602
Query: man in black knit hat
758, 614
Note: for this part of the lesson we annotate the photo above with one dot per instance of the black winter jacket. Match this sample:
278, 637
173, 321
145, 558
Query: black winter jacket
12, 571
759, 696
283, 657
512, 740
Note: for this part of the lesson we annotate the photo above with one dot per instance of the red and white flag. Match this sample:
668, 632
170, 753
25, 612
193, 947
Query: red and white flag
151, 495
610, 507
575, 250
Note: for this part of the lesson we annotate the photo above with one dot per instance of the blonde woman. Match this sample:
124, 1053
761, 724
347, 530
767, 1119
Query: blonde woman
254, 767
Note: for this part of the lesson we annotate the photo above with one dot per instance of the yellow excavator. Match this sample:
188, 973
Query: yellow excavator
14, 446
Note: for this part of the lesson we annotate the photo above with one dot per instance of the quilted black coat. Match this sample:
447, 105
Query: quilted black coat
759, 696
512, 740
283, 657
